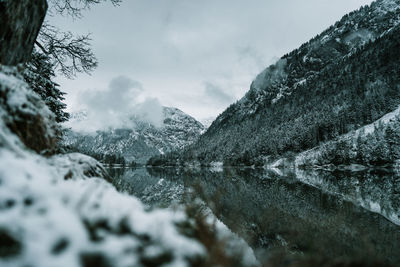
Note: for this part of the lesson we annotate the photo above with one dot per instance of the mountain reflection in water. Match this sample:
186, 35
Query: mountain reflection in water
320, 213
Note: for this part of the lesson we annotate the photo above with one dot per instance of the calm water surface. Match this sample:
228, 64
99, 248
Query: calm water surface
319, 213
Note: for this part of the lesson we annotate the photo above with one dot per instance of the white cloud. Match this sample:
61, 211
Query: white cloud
113, 106
217, 94
172, 46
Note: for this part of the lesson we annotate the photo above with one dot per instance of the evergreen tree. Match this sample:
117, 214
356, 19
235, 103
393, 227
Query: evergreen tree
392, 133
60, 50
39, 74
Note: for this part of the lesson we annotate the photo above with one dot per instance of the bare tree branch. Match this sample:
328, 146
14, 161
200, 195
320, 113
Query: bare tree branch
70, 54
74, 8
44, 51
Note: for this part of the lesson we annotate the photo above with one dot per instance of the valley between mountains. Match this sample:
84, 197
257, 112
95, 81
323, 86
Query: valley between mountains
302, 170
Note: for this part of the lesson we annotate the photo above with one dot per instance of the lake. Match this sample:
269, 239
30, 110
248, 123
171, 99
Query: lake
305, 212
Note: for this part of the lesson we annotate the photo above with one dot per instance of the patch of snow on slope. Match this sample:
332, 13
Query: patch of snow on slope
370, 128
312, 155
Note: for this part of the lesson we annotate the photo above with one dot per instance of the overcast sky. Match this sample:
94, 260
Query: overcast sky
197, 55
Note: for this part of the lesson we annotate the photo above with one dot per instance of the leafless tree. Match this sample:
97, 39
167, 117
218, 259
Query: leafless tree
69, 54
74, 8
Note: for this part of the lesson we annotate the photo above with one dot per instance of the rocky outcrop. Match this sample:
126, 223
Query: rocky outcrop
20, 24
25, 114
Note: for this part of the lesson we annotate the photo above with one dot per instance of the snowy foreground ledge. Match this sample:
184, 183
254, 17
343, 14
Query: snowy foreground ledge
54, 222
60, 211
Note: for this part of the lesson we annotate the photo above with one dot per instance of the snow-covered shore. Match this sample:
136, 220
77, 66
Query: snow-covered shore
59, 209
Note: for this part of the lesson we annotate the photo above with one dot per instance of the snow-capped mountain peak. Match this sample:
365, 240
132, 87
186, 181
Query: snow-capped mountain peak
139, 140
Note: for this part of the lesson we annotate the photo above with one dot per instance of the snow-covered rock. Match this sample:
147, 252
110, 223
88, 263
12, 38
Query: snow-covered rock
23, 112
52, 214
77, 220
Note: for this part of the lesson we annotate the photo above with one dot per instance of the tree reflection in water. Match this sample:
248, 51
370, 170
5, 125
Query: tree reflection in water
315, 213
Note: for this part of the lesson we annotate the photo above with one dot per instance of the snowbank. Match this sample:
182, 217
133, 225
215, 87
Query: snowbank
52, 214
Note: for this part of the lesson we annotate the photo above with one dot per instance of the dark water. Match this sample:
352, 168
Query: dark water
322, 214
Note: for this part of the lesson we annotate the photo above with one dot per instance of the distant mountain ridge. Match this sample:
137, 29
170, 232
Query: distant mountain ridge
344, 78
140, 142
207, 122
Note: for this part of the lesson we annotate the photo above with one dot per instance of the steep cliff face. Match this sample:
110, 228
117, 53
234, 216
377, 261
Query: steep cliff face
20, 24
340, 80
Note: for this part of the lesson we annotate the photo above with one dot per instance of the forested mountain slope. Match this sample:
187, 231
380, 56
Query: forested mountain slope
346, 77
140, 142
375, 144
